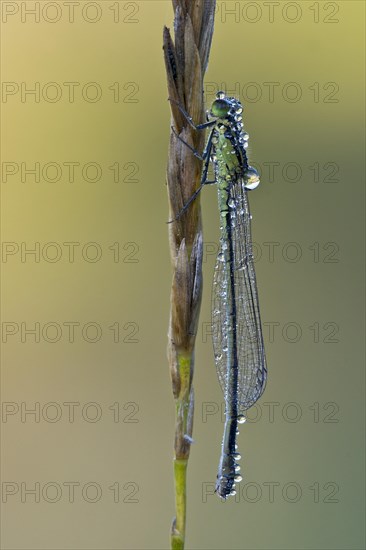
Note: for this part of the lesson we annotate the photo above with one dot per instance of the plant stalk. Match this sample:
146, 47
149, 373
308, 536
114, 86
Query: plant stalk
186, 60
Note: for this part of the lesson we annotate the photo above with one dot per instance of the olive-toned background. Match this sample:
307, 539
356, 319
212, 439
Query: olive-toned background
298, 68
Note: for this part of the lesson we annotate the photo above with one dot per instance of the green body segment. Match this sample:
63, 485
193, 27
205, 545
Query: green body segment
228, 163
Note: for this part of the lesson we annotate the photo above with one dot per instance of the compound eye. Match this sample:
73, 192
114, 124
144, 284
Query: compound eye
220, 108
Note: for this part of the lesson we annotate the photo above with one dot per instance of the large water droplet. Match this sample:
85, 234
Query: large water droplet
251, 178
241, 419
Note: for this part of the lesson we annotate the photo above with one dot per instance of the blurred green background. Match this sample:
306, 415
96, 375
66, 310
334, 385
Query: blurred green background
97, 451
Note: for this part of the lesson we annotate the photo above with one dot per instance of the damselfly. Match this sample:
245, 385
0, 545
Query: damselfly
237, 333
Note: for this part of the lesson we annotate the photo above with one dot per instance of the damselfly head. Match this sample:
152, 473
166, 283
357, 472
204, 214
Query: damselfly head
226, 107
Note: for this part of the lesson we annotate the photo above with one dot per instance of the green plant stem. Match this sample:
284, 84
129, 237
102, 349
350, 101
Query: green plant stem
180, 476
